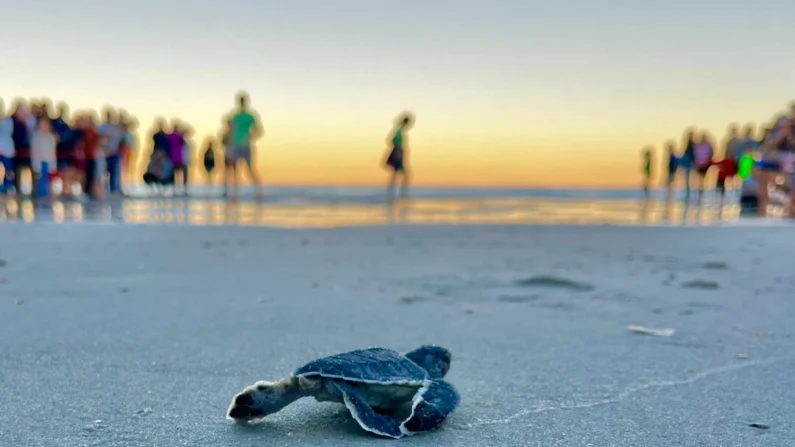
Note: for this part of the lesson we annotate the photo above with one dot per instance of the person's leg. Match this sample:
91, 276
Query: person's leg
721, 189
18, 166
390, 188
764, 180
688, 174
90, 175
114, 169
404, 184
8, 174
253, 172
231, 179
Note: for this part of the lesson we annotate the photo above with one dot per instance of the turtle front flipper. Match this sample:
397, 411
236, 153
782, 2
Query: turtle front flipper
431, 405
367, 418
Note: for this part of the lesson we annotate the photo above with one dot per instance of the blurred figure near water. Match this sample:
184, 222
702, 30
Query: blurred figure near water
703, 152
687, 161
209, 162
647, 171
244, 129
396, 160
43, 157
6, 150
671, 168
21, 136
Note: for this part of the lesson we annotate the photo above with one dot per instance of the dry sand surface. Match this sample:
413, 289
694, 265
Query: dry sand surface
122, 335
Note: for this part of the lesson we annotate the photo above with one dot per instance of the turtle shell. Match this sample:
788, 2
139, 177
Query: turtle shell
373, 365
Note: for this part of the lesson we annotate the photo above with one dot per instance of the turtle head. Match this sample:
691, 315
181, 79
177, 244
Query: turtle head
263, 398
434, 359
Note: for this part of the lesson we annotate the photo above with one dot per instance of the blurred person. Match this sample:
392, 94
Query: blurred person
687, 161
244, 129
768, 167
21, 135
176, 152
6, 149
90, 147
112, 138
703, 152
735, 145
44, 161
727, 169
672, 166
209, 162
749, 139
396, 159
126, 148
64, 150
647, 170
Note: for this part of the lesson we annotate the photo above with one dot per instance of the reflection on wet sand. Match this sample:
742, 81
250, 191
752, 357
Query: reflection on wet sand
415, 211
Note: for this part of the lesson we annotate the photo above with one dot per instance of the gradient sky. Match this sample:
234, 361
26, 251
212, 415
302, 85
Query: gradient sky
506, 93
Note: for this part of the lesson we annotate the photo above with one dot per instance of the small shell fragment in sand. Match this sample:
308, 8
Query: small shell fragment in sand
649, 331
742, 356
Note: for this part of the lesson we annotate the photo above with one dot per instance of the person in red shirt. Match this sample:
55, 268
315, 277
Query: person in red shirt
727, 169
87, 151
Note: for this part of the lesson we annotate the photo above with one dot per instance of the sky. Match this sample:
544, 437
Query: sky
543, 93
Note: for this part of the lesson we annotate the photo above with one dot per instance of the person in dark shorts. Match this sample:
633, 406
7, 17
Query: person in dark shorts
396, 160
209, 162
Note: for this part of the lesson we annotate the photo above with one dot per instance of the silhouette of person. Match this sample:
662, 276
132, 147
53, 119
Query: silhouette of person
397, 156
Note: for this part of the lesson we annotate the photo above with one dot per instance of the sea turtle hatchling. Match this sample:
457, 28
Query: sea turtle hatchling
387, 393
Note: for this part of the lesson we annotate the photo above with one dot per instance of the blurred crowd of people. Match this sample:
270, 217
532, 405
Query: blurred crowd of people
78, 149
749, 161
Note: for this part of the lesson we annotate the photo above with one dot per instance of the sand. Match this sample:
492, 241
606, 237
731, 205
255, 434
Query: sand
125, 335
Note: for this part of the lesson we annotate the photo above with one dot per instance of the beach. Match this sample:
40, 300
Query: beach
120, 334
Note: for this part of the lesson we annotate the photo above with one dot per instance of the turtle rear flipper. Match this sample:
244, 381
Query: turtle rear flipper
431, 406
367, 418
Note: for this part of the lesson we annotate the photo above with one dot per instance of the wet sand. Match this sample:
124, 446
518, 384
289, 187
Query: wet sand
324, 213
139, 335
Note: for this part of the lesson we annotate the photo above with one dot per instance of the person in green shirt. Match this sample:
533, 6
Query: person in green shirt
397, 156
244, 128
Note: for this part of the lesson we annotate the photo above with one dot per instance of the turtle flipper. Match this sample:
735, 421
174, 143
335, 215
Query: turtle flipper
432, 404
367, 418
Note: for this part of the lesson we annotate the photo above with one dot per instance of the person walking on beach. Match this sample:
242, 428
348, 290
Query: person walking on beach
176, 153
112, 137
647, 171
44, 161
6, 150
396, 160
671, 168
687, 161
65, 149
703, 153
209, 162
244, 129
